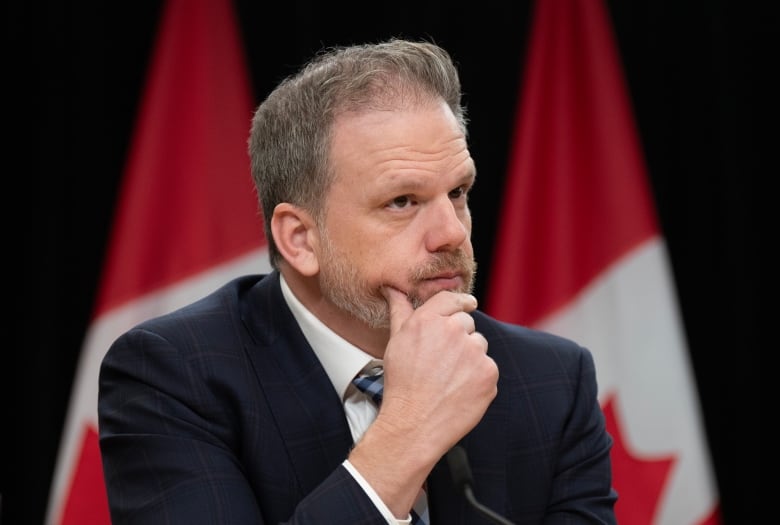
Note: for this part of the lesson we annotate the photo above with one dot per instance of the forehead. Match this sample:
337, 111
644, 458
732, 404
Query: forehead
416, 142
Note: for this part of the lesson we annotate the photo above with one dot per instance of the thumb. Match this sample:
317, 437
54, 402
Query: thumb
400, 307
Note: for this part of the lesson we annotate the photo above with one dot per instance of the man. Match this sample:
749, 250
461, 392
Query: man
241, 408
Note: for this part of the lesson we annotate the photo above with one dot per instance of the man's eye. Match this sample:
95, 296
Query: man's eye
401, 201
459, 192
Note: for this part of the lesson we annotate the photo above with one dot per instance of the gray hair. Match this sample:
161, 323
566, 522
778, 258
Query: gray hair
289, 142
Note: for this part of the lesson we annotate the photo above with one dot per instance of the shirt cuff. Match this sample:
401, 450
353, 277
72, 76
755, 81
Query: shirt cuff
375, 499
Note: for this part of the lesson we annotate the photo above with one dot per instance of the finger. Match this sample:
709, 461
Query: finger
469, 302
467, 321
400, 307
449, 303
480, 339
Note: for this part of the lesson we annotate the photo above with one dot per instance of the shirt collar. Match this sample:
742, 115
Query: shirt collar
341, 360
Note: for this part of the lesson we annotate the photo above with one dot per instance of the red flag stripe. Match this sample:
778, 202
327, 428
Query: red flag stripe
574, 118
188, 163
579, 253
186, 220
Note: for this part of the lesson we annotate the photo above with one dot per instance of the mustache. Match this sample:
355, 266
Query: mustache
456, 261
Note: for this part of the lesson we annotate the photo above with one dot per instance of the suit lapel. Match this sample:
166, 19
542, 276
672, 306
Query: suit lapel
308, 412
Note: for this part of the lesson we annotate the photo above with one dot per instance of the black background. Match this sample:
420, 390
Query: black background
72, 75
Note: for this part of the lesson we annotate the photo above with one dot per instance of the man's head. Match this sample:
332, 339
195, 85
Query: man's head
362, 171
289, 144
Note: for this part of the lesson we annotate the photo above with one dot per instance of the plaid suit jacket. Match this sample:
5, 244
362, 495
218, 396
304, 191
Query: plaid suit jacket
221, 413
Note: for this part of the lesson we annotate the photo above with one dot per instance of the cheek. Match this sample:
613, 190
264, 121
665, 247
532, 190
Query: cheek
383, 268
374, 260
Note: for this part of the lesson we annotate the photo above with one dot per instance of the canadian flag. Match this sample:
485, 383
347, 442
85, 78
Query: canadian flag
579, 252
187, 218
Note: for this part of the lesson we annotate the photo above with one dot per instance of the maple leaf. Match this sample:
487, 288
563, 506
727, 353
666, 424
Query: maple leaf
638, 479
87, 501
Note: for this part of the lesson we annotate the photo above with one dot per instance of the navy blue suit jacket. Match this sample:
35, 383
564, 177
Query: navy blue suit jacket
221, 413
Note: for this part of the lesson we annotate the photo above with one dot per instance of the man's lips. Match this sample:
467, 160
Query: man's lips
445, 280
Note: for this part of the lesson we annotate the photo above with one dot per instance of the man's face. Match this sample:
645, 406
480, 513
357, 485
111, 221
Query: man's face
397, 213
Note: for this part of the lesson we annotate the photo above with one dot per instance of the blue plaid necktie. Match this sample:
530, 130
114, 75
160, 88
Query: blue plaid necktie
372, 383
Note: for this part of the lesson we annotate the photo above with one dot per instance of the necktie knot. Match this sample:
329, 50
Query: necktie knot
371, 382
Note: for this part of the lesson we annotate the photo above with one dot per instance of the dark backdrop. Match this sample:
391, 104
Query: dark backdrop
72, 74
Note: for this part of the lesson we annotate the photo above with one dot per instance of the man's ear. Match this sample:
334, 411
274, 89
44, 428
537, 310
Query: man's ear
296, 237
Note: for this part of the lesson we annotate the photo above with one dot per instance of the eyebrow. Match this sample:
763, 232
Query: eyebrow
413, 184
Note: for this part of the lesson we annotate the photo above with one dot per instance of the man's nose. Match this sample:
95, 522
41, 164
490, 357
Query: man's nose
447, 227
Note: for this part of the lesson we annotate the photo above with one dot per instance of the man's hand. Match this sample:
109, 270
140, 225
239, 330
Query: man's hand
438, 383
438, 379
